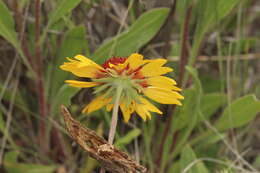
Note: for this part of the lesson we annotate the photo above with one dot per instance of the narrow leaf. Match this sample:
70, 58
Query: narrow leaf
7, 27
12, 166
129, 137
63, 97
185, 112
187, 157
74, 43
63, 7
239, 113
142, 30
210, 103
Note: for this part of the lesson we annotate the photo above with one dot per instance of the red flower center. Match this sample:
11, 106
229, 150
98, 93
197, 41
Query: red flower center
114, 60
134, 72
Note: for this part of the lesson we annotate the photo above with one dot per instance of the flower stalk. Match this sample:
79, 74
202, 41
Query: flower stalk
113, 124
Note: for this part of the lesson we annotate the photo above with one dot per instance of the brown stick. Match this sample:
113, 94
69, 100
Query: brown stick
107, 155
168, 30
185, 45
43, 141
246, 57
183, 62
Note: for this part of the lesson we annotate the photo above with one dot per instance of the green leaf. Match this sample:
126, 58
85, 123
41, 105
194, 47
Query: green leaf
190, 110
213, 12
239, 113
62, 8
126, 139
175, 167
7, 27
195, 77
187, 158
148, 130
211, 84
74, 43
63, 97
256, 163
90, 165
12, 166
210, 103
186, 111
142, 30
11, 156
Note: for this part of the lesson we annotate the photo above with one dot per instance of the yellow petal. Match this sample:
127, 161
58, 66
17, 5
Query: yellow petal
162, 95
127, 111
162, 82
141, 111
87, 62
154, 68
149, 106
176, 88
148, 114
86, 71
82, 67
135, 60
158, 62
81, 84
109, 107
96, 104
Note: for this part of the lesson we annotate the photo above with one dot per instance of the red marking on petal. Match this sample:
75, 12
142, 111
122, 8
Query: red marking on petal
137, 75
101, 75
144, 84
114, 60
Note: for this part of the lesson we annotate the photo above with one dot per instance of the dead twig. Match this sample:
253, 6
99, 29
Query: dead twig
250, 56
109, 157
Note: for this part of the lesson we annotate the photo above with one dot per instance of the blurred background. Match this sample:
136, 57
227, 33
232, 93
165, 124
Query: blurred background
213, 46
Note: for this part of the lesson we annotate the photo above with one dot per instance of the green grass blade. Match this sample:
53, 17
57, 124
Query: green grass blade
7, 27
142, 30
12, 166
129, 137
187, 157
63, 7
74, 43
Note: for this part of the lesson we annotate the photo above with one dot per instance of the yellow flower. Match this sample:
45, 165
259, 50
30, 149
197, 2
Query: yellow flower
137, 78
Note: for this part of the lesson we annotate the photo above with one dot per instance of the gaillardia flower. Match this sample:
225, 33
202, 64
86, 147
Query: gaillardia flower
133, 77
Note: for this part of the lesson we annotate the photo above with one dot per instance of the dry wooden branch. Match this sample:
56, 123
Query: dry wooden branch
250, 56
109, 157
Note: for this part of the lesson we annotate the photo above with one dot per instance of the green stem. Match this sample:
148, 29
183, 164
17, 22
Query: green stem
114, 119
113, 124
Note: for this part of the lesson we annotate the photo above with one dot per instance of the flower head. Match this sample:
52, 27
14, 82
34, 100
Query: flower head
137, 78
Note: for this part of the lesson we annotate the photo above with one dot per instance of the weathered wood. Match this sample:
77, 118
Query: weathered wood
107, 155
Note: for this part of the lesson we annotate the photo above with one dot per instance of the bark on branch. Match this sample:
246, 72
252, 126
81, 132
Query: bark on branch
107, 155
